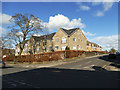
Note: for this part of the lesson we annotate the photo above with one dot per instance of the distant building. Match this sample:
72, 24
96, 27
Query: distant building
73, 38
93, 46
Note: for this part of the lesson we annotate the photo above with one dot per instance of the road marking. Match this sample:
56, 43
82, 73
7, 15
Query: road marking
104, 66
19, 82
89, 62
92, 65
86, 67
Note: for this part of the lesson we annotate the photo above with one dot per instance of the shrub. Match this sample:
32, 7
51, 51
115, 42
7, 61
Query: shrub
69, 54
55, 57
67, 48
44, 58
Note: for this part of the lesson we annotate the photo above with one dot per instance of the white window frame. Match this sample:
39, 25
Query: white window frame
38, 43
78, 47
74, 47
64, 39
38, 50
63, 47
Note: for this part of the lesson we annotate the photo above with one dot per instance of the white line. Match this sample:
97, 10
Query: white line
86, 67
18, 82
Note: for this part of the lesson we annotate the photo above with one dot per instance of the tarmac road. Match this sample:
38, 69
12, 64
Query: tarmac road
85, 73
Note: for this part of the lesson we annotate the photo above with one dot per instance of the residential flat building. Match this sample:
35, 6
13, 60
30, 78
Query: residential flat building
58, 41
93, 46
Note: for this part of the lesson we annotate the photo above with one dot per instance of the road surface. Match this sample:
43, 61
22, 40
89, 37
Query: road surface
85, 73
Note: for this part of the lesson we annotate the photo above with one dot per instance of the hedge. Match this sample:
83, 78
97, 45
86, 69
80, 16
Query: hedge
51, 56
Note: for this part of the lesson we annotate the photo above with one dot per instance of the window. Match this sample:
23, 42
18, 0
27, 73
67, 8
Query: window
51, 41
63, 47
78, 47
38, 50
78, 39
78, 33
44, 43
57, 39
25, 45
38, 44
63, 39
29, 44
74, 47
56, 47
50, 47
33, 43
74, 39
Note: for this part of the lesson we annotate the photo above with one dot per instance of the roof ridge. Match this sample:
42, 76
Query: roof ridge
69, 31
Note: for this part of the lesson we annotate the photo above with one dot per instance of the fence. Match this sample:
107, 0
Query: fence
52, 56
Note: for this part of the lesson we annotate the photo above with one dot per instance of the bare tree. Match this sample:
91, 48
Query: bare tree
46, 32
24, 26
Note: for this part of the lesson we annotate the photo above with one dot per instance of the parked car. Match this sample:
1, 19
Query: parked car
2, 64
112, 56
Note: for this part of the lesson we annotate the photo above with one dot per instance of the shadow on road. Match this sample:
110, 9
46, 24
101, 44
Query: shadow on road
98, 68
6, 67
115, 62
115, 65
62, 78
105, 57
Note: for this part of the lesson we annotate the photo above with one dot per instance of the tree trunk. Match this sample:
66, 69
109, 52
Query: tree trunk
23, 44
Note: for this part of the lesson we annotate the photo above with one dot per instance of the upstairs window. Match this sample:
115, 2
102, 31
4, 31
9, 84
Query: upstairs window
50, 41
74, 39
38, 44
56, 39
38, 50
63, 39
56, 47
50, 47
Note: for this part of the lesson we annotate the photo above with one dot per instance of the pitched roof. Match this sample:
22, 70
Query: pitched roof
49, 36
69, 31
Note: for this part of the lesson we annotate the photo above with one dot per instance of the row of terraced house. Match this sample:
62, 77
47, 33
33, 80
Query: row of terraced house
72, 38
